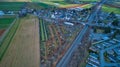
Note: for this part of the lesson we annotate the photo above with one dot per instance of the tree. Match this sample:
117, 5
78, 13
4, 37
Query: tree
115, 22
107, 30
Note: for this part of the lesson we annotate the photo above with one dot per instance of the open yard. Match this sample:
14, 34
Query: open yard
23, 50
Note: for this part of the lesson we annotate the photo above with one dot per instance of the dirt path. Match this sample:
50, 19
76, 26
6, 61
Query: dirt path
24, 48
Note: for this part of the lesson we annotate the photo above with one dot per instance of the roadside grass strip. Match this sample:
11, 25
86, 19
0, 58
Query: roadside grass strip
8, 38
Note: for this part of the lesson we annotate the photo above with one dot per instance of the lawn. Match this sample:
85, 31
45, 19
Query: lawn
11, 5
110, 9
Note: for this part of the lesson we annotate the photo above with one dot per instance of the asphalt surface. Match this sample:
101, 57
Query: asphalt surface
66, 58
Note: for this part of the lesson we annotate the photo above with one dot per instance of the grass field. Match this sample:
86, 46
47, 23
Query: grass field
23, 50
5, 22
87, 6
43, 31
5, 43
110, 9
15, 0
43, 5
11, 5
89, 0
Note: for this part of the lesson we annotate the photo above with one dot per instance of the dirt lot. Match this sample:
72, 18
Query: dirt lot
24, 48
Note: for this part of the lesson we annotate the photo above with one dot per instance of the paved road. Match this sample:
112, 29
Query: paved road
66, 58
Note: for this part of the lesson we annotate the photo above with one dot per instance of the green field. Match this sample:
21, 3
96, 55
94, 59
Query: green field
89, 0
5, 22
105, 8
43, 32
60, 2
11, 5
111, 9
6, 41
87, 6
43, 5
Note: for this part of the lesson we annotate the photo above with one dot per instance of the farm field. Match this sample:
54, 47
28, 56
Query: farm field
87, 6
23, 50
5, 41
5, 23
15, 0
14, 6
88, 1
111, 9
60, 4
